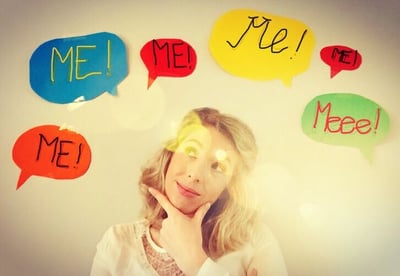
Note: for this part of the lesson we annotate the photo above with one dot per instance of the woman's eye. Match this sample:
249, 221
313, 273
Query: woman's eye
219, 167
191, 151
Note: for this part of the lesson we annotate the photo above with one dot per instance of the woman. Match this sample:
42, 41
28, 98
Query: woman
197, 219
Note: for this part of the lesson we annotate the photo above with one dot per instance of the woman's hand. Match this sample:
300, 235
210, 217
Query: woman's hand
181, 235
253, 272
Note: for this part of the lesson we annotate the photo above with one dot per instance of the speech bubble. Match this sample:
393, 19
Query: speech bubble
67, 70
261, 46
168, 57
340, 58
52, 152
346, 119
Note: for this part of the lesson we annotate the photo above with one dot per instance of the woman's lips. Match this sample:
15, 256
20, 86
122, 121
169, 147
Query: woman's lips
186, 191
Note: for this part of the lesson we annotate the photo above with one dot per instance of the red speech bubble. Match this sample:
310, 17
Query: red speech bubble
51, 152
340, 58
168, 57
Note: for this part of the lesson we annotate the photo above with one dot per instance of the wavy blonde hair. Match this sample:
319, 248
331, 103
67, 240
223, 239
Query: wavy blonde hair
229, 223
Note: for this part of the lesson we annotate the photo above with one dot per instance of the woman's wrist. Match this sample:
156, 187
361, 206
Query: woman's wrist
197, 264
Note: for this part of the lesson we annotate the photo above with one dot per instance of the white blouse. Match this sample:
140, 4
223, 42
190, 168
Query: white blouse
122, 252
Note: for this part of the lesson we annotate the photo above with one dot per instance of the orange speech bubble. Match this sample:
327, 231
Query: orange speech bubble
52, 152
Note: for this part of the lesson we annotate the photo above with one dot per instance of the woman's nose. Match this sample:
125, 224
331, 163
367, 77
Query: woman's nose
193, 178
196, 171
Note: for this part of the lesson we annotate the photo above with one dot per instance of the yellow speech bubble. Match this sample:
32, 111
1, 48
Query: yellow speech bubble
261, 46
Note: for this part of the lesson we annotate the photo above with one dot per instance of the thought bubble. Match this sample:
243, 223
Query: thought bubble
346, 119
67, 70
51, 152
340, 58
168, 57
261, 46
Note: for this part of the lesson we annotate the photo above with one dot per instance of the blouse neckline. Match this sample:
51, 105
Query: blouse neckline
152, 243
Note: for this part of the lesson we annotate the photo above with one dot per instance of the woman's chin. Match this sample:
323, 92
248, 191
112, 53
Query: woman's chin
186, 210
184, 206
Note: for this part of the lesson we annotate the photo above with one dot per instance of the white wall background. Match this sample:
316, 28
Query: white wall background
333, 212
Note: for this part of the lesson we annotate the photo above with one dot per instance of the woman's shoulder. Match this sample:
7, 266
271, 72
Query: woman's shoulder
263, 236
125, 233
120, 248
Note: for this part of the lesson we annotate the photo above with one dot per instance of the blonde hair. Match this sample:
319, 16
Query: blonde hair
230, 222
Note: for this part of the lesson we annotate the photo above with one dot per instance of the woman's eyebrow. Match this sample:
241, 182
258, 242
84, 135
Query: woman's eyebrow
193, 140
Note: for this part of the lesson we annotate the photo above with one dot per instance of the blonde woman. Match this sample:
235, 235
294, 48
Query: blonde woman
196, 215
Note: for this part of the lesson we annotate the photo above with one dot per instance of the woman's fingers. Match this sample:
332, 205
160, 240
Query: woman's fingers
201, 212
253, 272
164, 202
171, 210
179, 231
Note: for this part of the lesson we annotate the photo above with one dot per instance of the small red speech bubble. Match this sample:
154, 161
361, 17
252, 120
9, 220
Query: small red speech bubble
340, 58
168, 57
51, 152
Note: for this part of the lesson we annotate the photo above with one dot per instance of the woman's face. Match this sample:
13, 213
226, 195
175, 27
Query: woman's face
200, 169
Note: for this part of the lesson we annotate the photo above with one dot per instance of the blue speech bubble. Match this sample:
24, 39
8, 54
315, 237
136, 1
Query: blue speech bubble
67, 70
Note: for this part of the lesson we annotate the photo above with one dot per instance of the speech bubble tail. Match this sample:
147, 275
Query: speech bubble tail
23, 177
368, 153
150, 81
287, 82
334, 72
113, 91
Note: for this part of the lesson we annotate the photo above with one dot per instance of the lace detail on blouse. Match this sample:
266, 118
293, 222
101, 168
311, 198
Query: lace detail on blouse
162, 262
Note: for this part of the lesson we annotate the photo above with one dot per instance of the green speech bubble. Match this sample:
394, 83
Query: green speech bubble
346, 119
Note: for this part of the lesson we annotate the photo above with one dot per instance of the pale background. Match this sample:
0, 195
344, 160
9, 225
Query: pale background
333, 211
